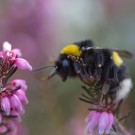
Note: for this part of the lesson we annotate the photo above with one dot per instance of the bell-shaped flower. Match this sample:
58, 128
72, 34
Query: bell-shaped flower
21, 95
99, 121
5, 105
16, 103
110, 123
19, 82
92, 123
6, 46
103, 122
17, 52
3, 129
23, 64
17, 114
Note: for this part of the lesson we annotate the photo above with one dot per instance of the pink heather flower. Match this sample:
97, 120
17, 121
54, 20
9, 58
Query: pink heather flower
16, 103
0, 118
13, 56
23, 64
21, 95
12, 97
92, 122
90, 115
12, 124
17, 52
5, 105
19, 82
3, 129
99, 121
110, 123
15, 113
6, 46
103, 122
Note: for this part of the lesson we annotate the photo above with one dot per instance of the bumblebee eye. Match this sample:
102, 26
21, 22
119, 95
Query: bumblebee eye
65, 63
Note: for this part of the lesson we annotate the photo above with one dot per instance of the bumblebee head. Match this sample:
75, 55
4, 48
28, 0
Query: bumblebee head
65, 67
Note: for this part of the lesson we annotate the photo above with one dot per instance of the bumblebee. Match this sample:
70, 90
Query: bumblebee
89, 63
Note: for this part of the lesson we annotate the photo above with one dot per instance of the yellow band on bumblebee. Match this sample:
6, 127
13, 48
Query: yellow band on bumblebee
71, 49
117, 59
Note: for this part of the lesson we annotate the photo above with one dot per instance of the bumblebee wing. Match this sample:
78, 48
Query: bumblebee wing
124, 53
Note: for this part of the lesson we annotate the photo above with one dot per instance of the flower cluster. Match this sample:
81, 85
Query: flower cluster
12, 94
104, 115
102, 121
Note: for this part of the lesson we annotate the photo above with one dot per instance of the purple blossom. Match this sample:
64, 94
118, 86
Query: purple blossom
0, 118
90, 115
17, 52
99, 121
110, 123
92, 122
5, 105
16, 113
103, 122
12, 95
7, 49
21, 95
6, 46
19, 82
12, 125
16, 103
13, 56
23, 64
3, 129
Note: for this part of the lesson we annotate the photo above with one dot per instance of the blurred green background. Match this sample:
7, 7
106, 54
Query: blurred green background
41, 28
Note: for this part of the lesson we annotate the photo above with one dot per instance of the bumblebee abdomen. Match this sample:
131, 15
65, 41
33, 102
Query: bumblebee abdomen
121, 90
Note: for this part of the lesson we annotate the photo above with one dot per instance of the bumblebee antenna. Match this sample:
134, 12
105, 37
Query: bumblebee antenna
43, 68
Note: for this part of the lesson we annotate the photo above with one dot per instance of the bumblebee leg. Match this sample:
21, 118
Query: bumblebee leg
54, 72
85, 71
104, 91
97, 73
89, 68
105, 88
77, 68
99, 61
106, 70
